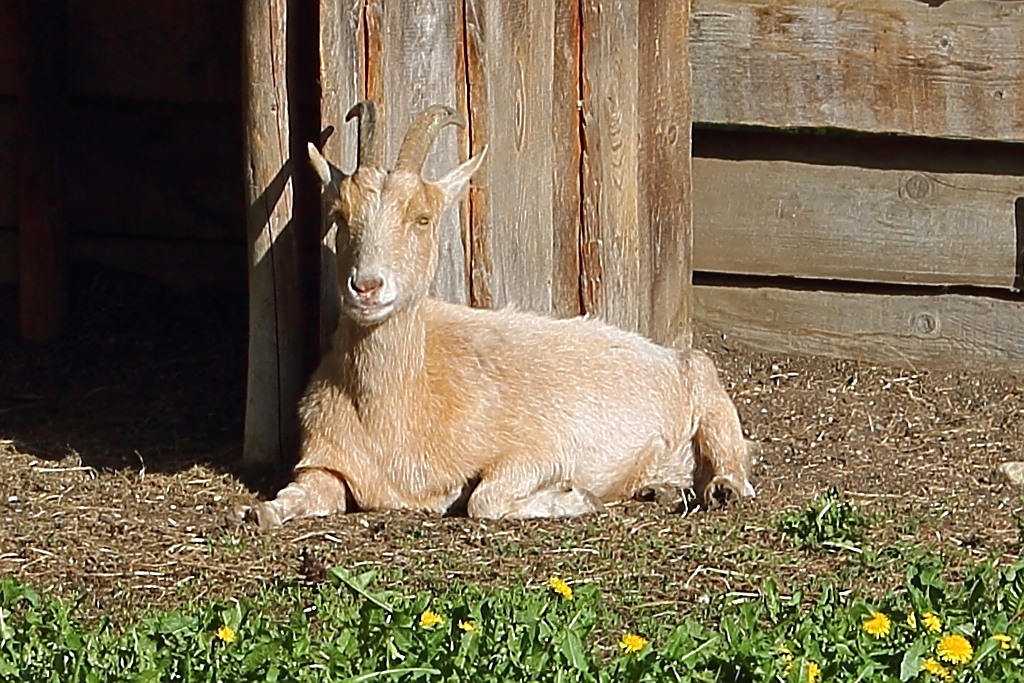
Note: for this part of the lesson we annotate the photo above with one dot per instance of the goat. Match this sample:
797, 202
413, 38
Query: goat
424, 404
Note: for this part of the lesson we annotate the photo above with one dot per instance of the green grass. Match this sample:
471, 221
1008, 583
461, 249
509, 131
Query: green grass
360, 627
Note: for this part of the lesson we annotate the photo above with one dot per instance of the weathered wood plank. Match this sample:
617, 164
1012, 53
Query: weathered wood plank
8, 49
847, 223
342, 68
565, 165
664, 166
414, 68
8, 163
915, 331
42, 233
179, 264
159, 50
183, 183
921, 68
275, 312
509, 44
614, 258
8, 255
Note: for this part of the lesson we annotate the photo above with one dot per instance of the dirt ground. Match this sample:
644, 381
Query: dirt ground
120, 466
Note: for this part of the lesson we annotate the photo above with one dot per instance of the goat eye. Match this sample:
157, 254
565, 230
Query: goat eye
423, 219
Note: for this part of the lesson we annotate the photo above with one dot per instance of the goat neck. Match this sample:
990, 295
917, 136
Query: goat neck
383, 364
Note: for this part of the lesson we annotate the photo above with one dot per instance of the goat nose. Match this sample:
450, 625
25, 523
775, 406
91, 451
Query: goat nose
365, 284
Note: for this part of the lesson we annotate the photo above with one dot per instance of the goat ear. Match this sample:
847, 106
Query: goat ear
454, 184
320, 165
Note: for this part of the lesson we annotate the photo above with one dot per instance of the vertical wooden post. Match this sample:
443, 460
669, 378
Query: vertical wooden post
666, 207
636, 238
565, 128
613, 247
275, 313
342, 84
510, 72
412, 64
42, 84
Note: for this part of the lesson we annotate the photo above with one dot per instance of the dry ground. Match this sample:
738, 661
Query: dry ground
119, 466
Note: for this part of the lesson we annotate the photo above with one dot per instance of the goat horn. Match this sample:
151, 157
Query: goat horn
370, 148
421, 135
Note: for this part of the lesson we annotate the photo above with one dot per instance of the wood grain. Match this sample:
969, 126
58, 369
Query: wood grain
157, 50
179, 264
414, 68
615, 262
42, 232
847, 223
913, 331
8, 163
510, 66
342, 68
8, 255
275, 304
182, 183
901, 66
664, 168
565, 162
8, 49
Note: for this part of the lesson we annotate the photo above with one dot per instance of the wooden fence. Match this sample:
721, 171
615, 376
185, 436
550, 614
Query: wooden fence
583, 203
898, 240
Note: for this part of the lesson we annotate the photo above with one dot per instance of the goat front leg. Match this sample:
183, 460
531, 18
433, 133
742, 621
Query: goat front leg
522, 491
314, 493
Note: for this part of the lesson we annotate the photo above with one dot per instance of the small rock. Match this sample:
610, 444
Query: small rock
1011, 473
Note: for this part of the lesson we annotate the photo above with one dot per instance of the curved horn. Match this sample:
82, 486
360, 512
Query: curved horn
371, 152
421, 135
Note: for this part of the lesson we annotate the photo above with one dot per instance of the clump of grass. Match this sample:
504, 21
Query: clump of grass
827, 522
555, 629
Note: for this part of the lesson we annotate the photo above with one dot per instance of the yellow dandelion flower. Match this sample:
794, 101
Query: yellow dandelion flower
936, 669
1004, 641
430, 619
631, 643
813, 672
911, 620
561, 587
931, 622
878, 625
468, 626
787, 655
955, 649
226, 633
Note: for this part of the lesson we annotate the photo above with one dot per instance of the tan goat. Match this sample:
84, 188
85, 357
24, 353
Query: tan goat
423, 404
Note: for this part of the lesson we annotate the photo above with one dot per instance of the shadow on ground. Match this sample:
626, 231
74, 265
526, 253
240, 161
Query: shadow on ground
144, 378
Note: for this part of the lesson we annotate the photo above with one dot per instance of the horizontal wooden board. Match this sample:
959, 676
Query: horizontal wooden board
912, 331
156, 171
8, 164
158, 50
948, 69
848, 223
181, 265
8, 255
8, 49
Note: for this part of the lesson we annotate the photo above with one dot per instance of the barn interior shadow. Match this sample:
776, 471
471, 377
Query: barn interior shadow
143, 378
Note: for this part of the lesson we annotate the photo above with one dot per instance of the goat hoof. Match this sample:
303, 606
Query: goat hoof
661, 494
263, 515
722, 490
